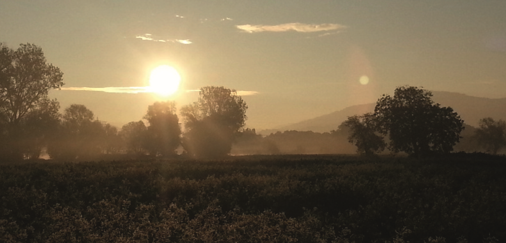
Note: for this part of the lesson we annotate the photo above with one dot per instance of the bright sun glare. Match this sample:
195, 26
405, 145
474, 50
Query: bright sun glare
164, 80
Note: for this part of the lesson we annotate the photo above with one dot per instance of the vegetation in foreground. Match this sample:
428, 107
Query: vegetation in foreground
255, 199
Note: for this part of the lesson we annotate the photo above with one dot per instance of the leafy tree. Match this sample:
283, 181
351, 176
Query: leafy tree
135, 135
208, 138
363, 134
491, 135
111, 140
468, 142
415, 124
212, 122
163, 131
25, 80
79, 136
40, 125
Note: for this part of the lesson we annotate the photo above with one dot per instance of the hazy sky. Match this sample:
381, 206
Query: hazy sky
304, 58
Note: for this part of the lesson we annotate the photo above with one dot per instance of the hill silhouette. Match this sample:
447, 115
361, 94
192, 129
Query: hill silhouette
470, 108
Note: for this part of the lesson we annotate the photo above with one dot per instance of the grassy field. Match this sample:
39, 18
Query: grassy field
255, 199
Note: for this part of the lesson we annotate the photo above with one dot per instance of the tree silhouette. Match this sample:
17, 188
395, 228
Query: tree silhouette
79, 137
208, 138
415, 124
111, 142
25, 79
164, 133
135, 136
362, 133
491, 135
212, 122
39, 127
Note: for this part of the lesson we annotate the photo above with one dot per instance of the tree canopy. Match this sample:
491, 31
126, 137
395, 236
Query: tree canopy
415, 124
362, 133
134, 136
164, 132
79, 136
491, 134
25, 109
212, 121
25, 80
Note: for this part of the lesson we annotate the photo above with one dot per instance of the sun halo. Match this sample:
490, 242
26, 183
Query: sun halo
164, 80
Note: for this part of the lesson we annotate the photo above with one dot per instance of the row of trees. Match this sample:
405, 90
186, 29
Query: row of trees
210, 126
407, 122
31, 122
411, 122
76, 134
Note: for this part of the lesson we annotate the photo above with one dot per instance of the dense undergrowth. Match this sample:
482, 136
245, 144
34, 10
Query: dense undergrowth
255, 199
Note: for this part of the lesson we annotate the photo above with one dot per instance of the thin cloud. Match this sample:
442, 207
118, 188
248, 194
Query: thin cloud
226, 19
145, 37
246, 93
123, 90
137, 90
297, 27
150, 37
239, 92
186, 42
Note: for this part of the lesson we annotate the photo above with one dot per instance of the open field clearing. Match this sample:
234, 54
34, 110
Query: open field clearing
255, 199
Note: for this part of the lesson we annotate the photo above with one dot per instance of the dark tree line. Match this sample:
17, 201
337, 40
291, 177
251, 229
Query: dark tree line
409, 121
30, 122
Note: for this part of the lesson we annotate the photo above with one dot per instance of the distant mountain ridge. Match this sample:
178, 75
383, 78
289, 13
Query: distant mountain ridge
470, 108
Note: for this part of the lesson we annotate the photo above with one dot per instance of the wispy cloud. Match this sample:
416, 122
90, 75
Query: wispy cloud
239, 92
150, 37
137, 90
186, 42
297, 27
246, 93
124, 90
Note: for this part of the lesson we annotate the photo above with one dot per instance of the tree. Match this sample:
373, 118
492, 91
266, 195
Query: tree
39, 127
164, 133
212, 122
491, 135
415, 124
79, 136
363, 134
25, 80
111, 142
135, 135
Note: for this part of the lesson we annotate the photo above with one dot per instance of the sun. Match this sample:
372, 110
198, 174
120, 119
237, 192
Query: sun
364, 80
164, 80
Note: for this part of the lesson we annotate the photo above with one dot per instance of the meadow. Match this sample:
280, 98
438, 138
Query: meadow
256, 199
